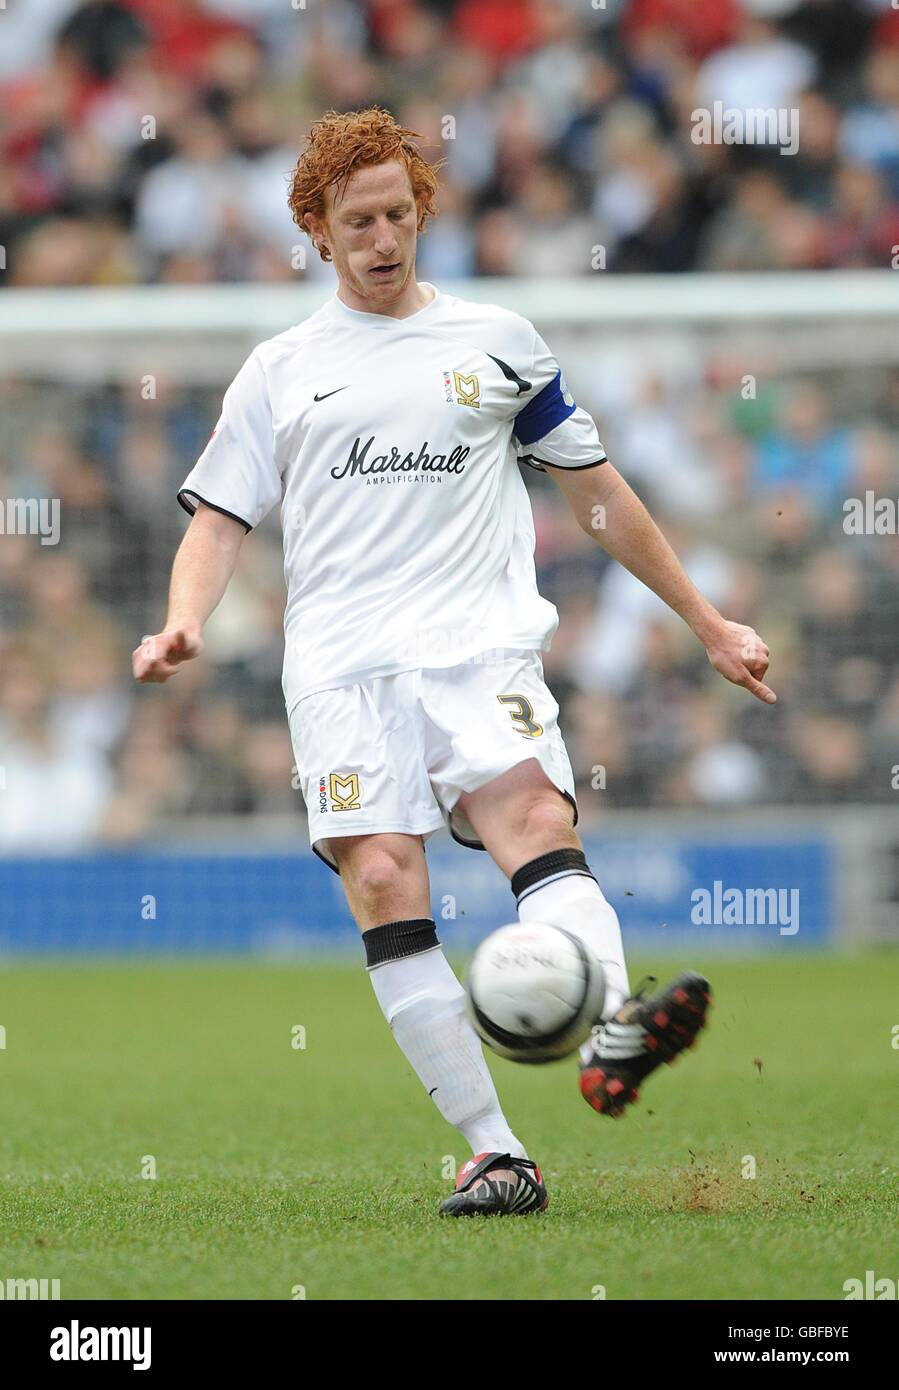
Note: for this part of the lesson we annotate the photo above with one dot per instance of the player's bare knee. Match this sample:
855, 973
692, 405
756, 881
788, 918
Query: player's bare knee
546, 823
378, 873
376, 877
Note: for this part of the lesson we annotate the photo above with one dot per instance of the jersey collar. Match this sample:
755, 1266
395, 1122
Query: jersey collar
358, 316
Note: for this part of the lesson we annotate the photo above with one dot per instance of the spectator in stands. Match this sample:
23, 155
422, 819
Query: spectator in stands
546, 112
55, 788
864, 227
806, 452
870, 130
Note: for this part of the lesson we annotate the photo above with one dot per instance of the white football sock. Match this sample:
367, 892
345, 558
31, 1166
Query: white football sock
574, 901
424, 1004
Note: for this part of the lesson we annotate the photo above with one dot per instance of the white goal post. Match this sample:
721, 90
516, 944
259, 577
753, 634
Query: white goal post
201, 331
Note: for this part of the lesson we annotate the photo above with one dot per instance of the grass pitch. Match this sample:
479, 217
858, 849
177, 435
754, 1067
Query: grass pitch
282, 1168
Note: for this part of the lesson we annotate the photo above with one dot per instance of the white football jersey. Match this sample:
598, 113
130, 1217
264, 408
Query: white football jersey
393, 447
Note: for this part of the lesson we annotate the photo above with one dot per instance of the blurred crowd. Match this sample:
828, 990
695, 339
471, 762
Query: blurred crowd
751, 493
151, 140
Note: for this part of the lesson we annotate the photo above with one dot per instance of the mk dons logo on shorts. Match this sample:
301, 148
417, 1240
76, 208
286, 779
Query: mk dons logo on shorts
467, 389
344, 792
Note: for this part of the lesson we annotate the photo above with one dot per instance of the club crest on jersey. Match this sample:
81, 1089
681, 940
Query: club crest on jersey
467, 389
344, 792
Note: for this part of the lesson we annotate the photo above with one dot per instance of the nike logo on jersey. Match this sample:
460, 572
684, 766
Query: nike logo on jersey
330, 393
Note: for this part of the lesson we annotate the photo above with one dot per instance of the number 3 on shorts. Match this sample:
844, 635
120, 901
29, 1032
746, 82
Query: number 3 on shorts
522, 715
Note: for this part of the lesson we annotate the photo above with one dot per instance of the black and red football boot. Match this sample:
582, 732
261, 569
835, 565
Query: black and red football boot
644, 1033
496, 1185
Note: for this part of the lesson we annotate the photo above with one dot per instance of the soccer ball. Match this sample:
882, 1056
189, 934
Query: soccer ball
534, 992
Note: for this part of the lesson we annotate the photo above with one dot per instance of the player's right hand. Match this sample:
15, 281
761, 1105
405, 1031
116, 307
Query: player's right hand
159, 655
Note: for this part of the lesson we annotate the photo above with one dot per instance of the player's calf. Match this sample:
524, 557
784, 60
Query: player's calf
559, 889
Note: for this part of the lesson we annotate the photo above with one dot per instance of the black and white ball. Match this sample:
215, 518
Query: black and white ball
534, 992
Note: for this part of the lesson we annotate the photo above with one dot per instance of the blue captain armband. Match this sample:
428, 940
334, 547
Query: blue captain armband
547, 410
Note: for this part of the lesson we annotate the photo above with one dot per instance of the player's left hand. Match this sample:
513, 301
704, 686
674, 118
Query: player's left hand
739, 655
160, 654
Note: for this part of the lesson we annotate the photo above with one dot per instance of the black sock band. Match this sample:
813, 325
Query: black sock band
559, 863
395, 940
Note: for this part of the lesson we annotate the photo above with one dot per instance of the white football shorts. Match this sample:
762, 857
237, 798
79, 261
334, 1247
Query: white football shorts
395, 753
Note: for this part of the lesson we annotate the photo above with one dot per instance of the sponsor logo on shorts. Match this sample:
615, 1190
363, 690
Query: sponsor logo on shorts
344, 791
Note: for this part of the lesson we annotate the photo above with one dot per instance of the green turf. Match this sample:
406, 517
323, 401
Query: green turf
323, 1167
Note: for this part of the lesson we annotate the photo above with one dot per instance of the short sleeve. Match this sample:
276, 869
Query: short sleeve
237, 474
551, 429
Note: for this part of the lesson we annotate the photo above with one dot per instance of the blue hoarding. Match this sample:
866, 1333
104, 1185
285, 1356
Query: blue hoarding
668, 891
